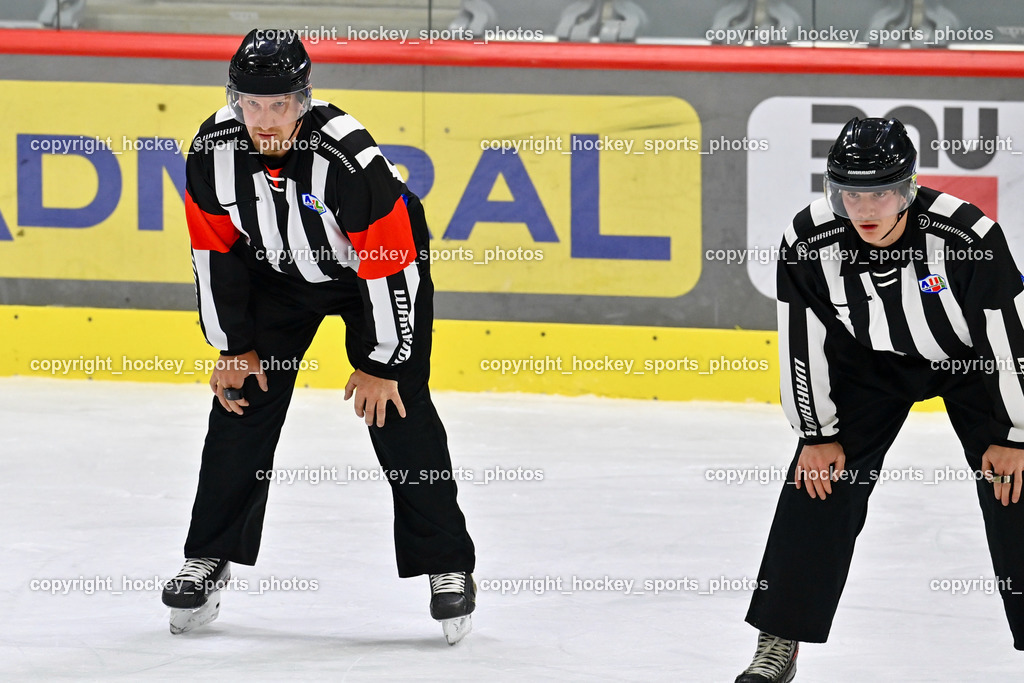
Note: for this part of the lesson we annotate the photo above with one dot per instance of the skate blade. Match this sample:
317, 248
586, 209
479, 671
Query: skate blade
185, 620
456, 629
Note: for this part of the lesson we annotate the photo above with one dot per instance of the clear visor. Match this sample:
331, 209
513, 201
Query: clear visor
269, 111
879, 202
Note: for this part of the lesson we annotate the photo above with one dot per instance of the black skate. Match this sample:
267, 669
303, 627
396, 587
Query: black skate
774, 661
194, 594
452, 601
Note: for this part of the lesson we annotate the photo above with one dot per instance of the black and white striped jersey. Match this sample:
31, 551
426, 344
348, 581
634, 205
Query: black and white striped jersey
947, 289
334, 208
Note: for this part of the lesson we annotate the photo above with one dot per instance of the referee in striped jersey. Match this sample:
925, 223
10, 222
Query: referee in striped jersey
888, 294
294, 215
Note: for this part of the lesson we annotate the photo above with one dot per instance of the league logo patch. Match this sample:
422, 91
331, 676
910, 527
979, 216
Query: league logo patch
311, 202
933, 284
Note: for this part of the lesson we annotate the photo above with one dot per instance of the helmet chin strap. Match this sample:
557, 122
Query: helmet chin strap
291, 135
899, 217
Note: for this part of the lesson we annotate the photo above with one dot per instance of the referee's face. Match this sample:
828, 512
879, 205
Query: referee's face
270, 121
874, 215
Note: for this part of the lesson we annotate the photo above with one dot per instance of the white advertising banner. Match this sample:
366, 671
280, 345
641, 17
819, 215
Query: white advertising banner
971, 149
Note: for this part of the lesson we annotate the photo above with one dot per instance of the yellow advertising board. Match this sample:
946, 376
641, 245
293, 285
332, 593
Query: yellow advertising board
584, 195
549, 194
566, 194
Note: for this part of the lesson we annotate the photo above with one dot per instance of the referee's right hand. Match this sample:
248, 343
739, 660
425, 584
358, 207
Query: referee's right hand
813, 465
231, 372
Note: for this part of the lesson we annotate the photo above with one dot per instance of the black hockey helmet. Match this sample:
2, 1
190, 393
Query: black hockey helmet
269, 62
871, 155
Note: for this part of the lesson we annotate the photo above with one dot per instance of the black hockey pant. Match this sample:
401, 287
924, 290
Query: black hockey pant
227, 518
807, 558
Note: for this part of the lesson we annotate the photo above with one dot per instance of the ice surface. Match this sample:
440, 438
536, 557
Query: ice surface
98, 480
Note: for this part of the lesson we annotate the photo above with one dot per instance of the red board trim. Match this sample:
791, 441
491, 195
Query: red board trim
718, 58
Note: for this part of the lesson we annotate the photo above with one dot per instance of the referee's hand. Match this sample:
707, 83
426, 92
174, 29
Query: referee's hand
812, 468
372, 395
1001, 461
230, 373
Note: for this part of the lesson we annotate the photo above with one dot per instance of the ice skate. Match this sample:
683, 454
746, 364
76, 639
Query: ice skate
452, 601
194, 594
774, 661
184, 620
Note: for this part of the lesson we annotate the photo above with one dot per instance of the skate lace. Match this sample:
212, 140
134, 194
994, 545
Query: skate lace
771, 657
452, 582
197, 570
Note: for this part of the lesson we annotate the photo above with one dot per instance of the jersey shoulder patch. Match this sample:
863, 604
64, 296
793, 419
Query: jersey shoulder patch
331, 127
815, 226
951, 218
220, 130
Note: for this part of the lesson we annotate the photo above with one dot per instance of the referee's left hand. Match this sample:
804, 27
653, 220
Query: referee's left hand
372, 396
1000, 460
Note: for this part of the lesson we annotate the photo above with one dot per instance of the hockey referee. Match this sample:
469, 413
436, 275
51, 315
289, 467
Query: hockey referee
881, 284
294, 214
